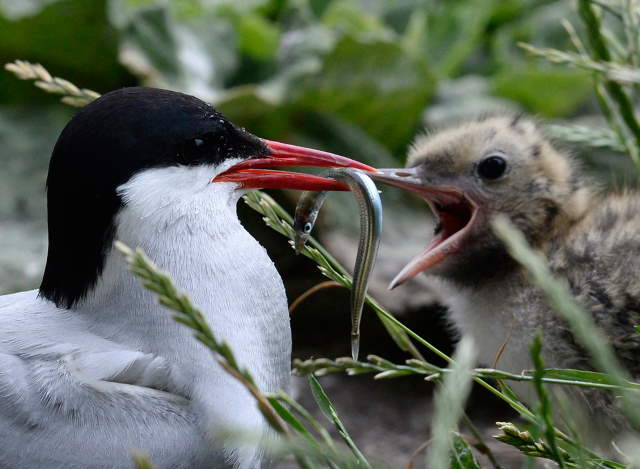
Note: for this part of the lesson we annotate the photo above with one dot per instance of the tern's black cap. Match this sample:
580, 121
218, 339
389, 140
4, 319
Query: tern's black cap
102, 147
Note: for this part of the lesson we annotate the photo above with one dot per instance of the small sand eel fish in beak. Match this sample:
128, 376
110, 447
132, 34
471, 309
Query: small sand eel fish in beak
368, 198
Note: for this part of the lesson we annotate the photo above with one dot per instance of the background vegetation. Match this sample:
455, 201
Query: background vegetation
297, 70
358, 77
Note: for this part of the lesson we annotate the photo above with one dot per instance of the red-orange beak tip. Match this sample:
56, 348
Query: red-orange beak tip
251, 173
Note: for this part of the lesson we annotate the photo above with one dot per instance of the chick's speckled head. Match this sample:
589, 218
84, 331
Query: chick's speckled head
477, 169
505, 164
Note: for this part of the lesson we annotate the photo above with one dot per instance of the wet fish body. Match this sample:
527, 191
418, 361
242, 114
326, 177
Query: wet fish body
368, 198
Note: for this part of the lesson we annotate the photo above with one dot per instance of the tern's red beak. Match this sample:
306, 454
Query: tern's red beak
251, 173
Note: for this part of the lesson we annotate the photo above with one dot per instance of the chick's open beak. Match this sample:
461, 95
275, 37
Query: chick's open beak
251, 173
454, 209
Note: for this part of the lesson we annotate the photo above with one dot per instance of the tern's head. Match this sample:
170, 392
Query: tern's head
475, 170
102, 157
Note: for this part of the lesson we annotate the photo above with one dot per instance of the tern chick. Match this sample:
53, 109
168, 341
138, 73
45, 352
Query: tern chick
505, 165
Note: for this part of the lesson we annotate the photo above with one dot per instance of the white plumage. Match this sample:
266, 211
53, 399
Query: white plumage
91, 367
79, 385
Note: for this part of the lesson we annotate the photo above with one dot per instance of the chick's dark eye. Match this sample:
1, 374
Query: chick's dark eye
492, 167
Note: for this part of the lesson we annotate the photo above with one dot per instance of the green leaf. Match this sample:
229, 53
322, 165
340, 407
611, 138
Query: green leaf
321, 398
16, 9
348, 16
247, 106
291, 419
195, 53
49, 36
344, 87
533, 21
258, 38
589, 377
578, 375
453, 32
461, 454
549, 91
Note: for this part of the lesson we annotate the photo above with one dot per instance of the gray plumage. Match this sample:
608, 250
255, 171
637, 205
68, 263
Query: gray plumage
589, 238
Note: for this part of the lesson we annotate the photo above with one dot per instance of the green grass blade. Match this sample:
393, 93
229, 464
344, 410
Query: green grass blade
591, 378
288, 417
449, 404
329, 411
601, 52
461, 454
546, 409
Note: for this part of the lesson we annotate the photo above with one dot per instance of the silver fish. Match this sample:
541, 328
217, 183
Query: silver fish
368, 198
307, 210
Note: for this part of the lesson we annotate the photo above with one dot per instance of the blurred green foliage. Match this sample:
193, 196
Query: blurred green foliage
357, 77
287, 68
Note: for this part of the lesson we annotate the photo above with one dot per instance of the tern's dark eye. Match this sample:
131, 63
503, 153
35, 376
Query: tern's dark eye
197, 150
492, 167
